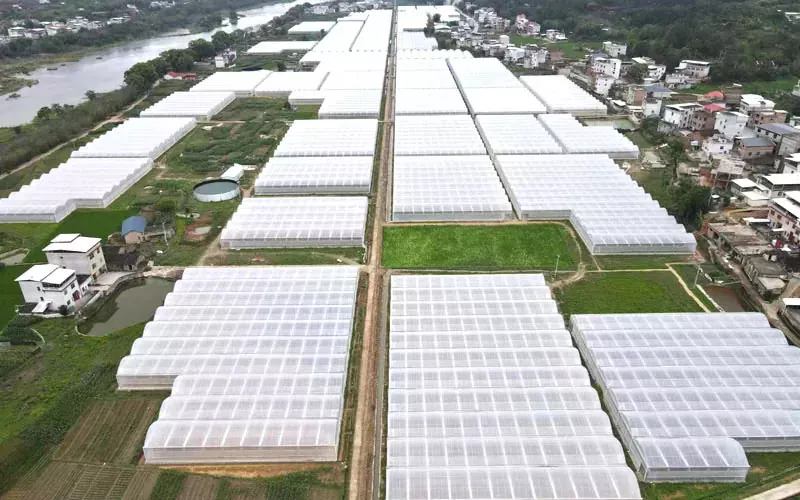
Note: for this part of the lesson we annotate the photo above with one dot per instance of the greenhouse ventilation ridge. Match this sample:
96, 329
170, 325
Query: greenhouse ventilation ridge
609, 211
199, 105
437, 135
329, 138
315, 175
297, 222
276, 395
688, 413
488, 398
515, 134
138, 138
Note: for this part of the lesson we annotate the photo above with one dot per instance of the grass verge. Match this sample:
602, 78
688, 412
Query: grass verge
10, 294
525, 246
625, 292
636, 262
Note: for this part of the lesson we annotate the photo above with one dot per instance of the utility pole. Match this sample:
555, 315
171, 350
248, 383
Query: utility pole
558, 258
164, 233
697, 275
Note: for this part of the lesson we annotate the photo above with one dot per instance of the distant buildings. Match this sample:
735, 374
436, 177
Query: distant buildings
615, 49
555, 35
730, 123
524, 26
606, 66
226, 59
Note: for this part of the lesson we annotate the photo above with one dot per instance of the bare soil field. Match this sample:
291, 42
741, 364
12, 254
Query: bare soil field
74, 481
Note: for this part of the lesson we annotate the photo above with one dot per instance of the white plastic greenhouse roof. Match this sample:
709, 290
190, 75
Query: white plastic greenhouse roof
374, 35
340, 38
199, 105
277, 396
76, 183
429, 102
415, 40
315, 175
689, 413
351, 104
475, 422
575, 138
138, 138
276, 47
437, 135
296, 222
433, 54
515, 134
610, 212
243, 83
673, 338
425, 79
561, 95
281, 84
404, 65
346, 61
447, 188
483, 72
511, 100
329, 138
311, 27
354, 80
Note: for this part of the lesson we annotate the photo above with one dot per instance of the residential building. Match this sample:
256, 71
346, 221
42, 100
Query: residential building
749, 192
36, 33
524, 26
702, 120
717, 145
778, 185
635, 94
615, 49
49, 287
696, 71
750, 148
555, 35
792, 17
765, 274
606, 66
733, 93
764, 117
786, 138
601, 84
730, 123
750, 104
534, 56
17, 32
680, 115
784, 214
651, 107
134, 229
796, 89
788, 164
73, 251
227, 58
643, 60
677, 81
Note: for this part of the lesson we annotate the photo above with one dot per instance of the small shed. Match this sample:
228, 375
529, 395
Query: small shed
234, 173
133, 229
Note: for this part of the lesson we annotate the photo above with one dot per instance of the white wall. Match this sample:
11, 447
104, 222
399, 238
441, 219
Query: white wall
92, 263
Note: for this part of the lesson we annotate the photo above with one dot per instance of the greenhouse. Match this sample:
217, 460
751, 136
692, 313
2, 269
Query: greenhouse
274, 394
307, 98
297, 222
425, 79
138, 138
498, 101
515, 134
340, 38
451, 54
311, 27
354, 80
315, 175
437, 135
355, 137
447, 188
276, 47
483, 72
76, 183
561, 95
415, 40
404, 65
351, 104
199, 105
242, 83
690, 413
477, 421
609, 211
345, 61
429, 102
575, 138
374, 35
283, 83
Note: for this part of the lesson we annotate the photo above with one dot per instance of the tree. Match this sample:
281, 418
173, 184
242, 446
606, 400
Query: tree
221, 40
90, 94
637, 72
429, 28
233, 17
201, 49
437, 18
63, 310
690, 202
177, 60
141, 75
166, 206
281, 66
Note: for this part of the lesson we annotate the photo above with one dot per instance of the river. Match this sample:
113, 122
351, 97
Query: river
102, 71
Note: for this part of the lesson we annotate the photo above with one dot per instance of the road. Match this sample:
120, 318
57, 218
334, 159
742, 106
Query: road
365, 463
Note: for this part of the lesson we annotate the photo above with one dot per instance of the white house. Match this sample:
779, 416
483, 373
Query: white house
777, 185
789, 164
717, 145
607, 66
753, 103
730, 123
81, 253
535, 56
680, 115
615, 49
696, 71
555, 35
49, 287
602, 83
656, 72
651, 107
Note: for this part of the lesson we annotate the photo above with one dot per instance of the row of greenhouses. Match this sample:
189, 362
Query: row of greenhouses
690, 412
273, 396
479, 422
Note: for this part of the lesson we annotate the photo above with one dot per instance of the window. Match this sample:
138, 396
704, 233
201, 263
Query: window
69, 302
72, 285
38, 288
65, 292
41, 299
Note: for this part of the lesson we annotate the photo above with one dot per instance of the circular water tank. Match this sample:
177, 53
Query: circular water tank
216, 190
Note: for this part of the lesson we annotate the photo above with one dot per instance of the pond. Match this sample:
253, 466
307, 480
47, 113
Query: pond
729, 299
130, 306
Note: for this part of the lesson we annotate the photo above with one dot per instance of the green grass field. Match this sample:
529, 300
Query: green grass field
688, 272
10, 294
88, 222
640, 140
625, 292
656, 183
571, 49
756, 87
635, 262
529, 246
